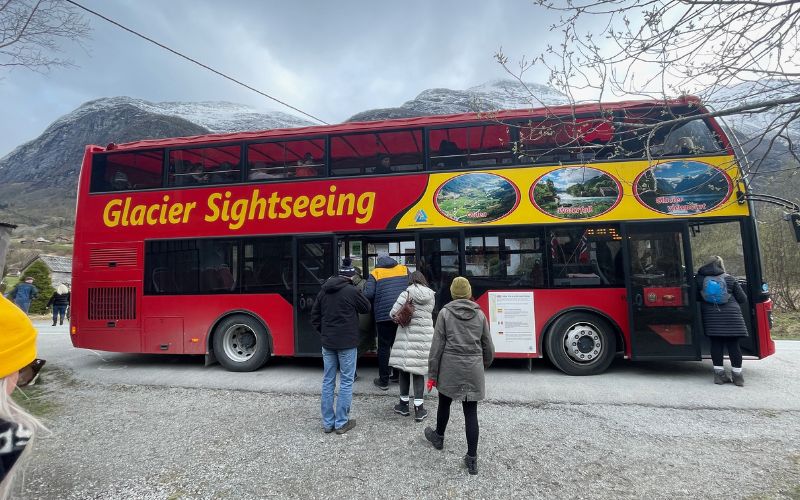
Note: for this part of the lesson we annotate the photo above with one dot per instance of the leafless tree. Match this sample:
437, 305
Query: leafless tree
31, 32
740, 56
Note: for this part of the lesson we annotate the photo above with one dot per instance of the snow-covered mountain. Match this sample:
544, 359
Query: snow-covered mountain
490, 96
223, 117
752, 124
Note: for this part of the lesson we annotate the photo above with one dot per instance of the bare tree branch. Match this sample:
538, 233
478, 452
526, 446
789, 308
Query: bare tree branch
32, 31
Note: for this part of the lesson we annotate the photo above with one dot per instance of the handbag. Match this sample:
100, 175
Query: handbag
403, 315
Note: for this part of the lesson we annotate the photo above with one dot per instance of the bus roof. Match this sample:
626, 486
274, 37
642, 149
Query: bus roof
401, 123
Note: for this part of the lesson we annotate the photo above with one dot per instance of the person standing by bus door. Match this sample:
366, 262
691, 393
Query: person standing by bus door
462, 349
385, 283
366, 322
723, 322
23, 294
335, 316
412, 345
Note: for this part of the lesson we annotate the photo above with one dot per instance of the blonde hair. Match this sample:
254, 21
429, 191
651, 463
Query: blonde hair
62, 289
10, 411
716, 259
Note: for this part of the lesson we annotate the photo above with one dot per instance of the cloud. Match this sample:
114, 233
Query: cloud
330, 59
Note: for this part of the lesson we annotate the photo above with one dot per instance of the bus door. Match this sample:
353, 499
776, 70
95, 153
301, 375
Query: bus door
400, 247
439, 261
314, 264
661, 292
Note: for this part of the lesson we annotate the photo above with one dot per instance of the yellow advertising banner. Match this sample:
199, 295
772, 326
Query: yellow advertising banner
628, 190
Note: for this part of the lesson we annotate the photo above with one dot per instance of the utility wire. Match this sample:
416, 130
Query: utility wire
134, 32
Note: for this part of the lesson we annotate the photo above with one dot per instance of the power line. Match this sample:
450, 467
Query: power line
134, 32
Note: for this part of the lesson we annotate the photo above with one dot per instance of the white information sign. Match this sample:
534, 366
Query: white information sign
511, 322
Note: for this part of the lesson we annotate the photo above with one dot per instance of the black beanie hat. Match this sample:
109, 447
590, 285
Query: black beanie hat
347, 269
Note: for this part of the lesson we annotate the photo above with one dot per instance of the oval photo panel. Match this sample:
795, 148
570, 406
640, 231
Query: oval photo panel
476, 198
682, 187
575, 193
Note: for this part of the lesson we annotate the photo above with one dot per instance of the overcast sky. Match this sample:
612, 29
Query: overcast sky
330, 59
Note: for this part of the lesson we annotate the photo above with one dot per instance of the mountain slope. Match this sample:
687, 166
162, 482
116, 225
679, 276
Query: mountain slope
490, 96
38, 179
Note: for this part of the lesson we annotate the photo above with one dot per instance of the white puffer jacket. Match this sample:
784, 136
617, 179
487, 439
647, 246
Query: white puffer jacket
412, 345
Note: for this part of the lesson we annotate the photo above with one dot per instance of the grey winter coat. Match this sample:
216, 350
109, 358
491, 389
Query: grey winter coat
412, 345
722, 320
462, 348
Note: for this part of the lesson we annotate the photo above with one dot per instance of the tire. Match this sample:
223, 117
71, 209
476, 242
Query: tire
241, 343
580, 343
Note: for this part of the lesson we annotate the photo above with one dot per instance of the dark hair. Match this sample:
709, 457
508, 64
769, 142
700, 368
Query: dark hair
417, 278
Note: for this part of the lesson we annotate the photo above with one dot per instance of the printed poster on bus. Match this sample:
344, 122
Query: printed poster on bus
511, 322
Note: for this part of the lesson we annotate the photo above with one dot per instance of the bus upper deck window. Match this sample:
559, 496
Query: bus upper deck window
127, 171
366, 153
204, 165
476, 146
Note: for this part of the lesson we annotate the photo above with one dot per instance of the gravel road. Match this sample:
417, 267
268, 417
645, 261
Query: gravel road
132, 441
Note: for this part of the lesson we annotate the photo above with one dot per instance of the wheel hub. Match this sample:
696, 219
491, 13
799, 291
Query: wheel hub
582, 343
239, 342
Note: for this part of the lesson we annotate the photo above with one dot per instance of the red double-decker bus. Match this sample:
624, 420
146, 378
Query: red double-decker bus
579, 228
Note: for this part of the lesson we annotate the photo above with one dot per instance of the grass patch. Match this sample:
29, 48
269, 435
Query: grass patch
786, 325
35, 398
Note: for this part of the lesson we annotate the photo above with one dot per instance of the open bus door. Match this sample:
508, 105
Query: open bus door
661, 293
314, 264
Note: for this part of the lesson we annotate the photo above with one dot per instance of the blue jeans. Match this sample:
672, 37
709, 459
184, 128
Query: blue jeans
343, 361
24, 305
59, 312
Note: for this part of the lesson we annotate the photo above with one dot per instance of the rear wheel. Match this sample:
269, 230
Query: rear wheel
241, 344
581, 344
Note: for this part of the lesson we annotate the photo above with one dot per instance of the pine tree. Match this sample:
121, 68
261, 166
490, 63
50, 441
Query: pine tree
41, 280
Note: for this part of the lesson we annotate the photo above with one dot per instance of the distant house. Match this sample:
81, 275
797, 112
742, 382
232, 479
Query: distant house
5, 240
60, 267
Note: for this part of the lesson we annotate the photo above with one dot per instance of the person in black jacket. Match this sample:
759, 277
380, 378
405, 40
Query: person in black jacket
59, 301
335, 316
723, 323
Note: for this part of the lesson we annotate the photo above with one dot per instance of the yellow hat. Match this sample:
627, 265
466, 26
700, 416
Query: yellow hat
460, 288
17, 339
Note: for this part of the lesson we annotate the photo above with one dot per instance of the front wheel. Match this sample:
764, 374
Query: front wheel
581, 344
241, 344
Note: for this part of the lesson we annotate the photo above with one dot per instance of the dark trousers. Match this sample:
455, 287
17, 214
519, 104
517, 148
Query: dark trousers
387, 330
406, 379
58, 312
470, 421
732, 344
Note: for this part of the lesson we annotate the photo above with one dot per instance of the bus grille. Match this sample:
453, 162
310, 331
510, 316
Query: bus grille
112, 257
112, 303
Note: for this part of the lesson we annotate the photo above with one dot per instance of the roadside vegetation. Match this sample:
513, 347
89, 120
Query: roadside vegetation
35, 398
786, 325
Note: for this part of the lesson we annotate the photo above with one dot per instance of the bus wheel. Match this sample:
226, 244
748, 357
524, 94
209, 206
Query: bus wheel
241, 344
581, 344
